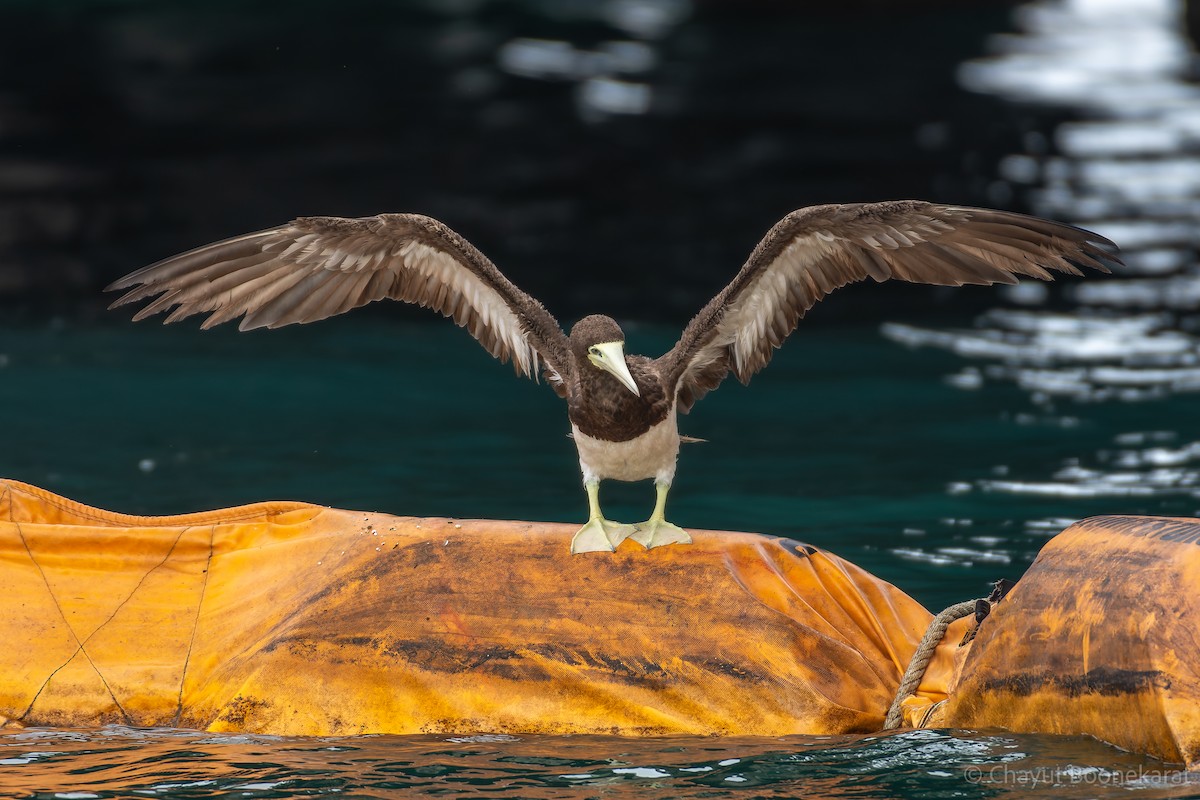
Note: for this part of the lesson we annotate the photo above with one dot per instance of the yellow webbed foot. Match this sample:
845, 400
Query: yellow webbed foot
658, 532
600, 535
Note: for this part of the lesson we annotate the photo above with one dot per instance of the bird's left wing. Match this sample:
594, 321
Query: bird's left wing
814, 250
316, 267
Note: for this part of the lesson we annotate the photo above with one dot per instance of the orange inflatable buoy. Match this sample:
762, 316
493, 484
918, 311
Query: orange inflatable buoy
289, 618
1100, 637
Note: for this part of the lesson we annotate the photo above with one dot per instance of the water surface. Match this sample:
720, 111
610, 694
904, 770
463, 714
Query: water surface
122, 762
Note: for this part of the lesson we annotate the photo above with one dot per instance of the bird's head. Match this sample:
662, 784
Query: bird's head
600, 342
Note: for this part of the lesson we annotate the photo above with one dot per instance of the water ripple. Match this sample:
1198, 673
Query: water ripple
1111, 119
1085, 356
72, 765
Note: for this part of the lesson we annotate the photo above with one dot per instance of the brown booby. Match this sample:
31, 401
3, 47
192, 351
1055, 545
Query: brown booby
622, 408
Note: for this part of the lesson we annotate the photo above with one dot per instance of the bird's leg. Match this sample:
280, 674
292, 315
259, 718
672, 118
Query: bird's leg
656, 531
598, 534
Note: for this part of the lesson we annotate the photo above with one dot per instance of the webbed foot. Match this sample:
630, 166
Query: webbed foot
656, 532
600, 535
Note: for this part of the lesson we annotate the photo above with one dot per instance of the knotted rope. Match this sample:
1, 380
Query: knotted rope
924, 654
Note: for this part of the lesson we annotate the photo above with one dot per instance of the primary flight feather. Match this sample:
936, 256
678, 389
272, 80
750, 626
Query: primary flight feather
622, 407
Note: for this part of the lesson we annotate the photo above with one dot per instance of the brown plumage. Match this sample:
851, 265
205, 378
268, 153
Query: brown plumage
316, 267
601, 407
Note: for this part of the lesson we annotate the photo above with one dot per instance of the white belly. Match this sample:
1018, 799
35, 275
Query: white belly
651, 455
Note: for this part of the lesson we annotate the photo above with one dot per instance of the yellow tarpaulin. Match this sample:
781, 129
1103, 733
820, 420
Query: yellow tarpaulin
289, 618
1101, 637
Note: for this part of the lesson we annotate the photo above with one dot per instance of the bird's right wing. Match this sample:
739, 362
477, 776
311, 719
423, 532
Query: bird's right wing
316, 267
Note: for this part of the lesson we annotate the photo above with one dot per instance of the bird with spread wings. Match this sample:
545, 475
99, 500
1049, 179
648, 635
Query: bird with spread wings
622, 407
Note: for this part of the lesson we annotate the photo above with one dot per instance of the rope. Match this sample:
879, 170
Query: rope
923, 655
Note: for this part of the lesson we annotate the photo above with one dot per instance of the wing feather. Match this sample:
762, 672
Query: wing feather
813, 251
284, 296
316, 267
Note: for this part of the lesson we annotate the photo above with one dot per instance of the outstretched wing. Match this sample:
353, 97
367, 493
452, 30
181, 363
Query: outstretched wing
813, 251
316, 267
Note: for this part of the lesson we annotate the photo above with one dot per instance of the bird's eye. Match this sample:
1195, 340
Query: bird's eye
594, 351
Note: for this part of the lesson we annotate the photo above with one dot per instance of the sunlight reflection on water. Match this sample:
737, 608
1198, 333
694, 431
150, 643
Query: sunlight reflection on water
1105, 89
1081, 356
1126, 166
